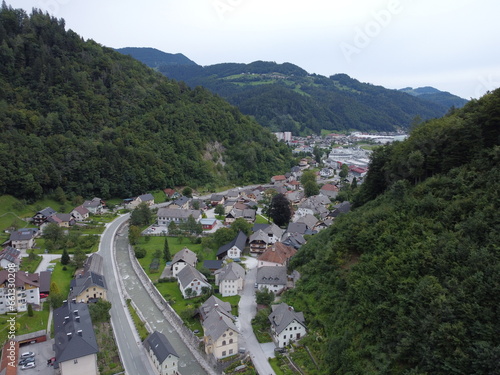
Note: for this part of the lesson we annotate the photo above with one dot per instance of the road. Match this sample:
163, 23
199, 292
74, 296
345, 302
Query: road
247, 310
132, 353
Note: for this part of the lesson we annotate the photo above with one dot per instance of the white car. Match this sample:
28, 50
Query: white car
28, 365
27, 354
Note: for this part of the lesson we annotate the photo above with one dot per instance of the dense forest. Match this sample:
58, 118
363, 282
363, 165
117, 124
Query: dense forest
77, 115
409, 281
433, 95
284, 97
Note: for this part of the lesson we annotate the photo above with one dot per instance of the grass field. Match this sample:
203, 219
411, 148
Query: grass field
25, 323
62, 277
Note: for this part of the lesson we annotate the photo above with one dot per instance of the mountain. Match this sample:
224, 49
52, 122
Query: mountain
92, 121
435, 96
284, 97
409, 281
155, 58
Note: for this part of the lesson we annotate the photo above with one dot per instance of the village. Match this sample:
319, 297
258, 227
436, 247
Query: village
267, 250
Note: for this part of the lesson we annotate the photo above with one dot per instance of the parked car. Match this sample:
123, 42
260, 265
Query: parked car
26, 360
27, 354
28, 365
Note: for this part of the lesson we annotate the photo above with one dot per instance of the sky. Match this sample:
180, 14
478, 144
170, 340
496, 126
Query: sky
452, 45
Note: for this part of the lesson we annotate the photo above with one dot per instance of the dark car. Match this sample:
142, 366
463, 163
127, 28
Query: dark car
26, 360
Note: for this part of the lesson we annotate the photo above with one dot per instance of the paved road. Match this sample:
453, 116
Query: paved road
131, 351
247, 311
188, 365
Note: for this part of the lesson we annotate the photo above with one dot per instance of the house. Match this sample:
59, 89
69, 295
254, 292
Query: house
341, 208
171, 193
213, 265
88, 287
287, 325
62, 220
44, 281
192, 282
42, 216
75, 343
148, 199
26, 291
94, 263
80, 213
230, 279
295, 240
329, 190
277, 254
182, 259
10, 258
309, 220
220, 335
272, 278
277, 179
94, 206
233, 249
208, 223
197, 204
181, 202
216, 199
263, 236
326, 172
214, 303
23, 239
162, 354
177, 215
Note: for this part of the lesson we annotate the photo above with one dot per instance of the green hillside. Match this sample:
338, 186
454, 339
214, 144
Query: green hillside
284, 97
435, 96
86, 118
409, 282
155, 58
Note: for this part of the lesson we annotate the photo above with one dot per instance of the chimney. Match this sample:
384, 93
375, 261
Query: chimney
69, 334
77, 319
66, 319
80, 332
75, 312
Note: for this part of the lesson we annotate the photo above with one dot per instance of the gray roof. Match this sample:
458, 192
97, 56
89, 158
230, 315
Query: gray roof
271, 275
23, 234
216, 197
160, 346
94, 264
95, 202
212, 264
188, 274
10, 254
283, 315
260, 235
73, 332
214, 303
185, 255
146, 197
181, 201
45, 281
216, 323
239, 241
297, 228
309, 220
84, 281
47, 212
231, 271
178, 213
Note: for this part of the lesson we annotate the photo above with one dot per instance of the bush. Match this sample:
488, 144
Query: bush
140, 252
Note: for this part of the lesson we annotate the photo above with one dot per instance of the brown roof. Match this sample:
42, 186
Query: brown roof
5, 368
329, 187
22, 278
277, 253
279, 178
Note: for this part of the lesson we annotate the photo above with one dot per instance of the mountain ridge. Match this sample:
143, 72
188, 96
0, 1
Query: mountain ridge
285, 97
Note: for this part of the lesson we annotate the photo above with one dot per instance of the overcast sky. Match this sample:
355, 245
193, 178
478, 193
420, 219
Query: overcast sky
452, 45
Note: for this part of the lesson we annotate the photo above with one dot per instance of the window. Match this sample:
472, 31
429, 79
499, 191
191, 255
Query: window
230, 351
230, 341
224, 342
224, 353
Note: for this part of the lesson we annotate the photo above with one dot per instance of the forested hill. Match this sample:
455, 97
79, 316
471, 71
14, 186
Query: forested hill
409, 282
93, 121
284, 97
155, 58
435, 96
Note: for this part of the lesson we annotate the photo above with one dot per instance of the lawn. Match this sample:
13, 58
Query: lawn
30, 263
62, 277
139, 324
259, 219
108, 359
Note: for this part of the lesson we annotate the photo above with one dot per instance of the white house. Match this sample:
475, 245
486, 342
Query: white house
272, 278
191, 282
230, 279
80, 213
94, 206
287, 325
177, 215
181, 259
233, 249
23, 239
162, 354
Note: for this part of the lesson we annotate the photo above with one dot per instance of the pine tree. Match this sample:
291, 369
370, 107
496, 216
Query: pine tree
30, 309
166, 251
65, 259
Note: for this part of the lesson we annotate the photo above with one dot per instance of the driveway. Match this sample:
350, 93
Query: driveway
47, 258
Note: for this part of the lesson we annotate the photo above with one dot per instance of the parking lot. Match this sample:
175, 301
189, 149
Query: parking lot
43, 352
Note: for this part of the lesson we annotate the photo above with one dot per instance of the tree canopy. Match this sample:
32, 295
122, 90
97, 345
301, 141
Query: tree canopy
89, 121
409, 281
